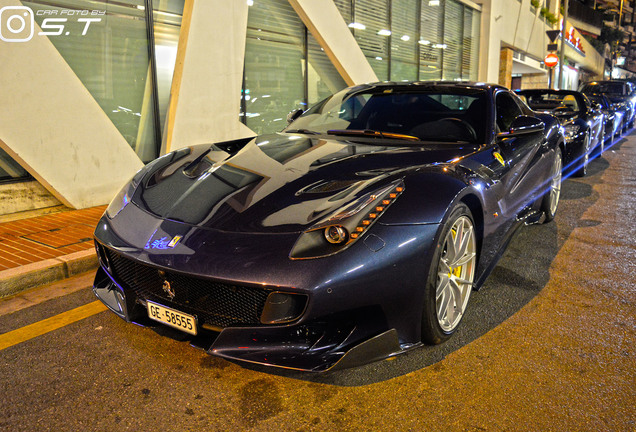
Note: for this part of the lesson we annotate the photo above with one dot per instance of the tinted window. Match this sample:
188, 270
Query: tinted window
552, 101
610, 88
506, 111
436, 114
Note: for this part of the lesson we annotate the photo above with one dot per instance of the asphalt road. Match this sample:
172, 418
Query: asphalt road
547, 344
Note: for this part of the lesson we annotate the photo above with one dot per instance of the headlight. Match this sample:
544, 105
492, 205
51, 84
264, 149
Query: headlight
125, 194
571, 131
339, 231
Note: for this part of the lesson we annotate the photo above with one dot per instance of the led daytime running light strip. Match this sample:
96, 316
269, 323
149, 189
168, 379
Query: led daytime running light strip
373, 215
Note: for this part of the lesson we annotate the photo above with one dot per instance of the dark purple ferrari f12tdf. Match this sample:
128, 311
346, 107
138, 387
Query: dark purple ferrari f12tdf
356, 233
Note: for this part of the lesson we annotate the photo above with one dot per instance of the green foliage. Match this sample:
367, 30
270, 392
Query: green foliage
611, 35
549, 16
535, 3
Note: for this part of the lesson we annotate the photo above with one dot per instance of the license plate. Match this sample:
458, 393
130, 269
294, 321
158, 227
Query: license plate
173, 318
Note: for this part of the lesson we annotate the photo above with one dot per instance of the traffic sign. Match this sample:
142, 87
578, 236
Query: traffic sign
551, 60
553, 34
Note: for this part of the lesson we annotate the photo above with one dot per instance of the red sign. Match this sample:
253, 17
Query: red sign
551, 60
575, 41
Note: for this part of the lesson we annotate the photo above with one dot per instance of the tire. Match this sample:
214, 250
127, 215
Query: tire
451, 276
585, 158
550, 202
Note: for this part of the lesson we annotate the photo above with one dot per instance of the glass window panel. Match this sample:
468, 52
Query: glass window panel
111, 59
374, 16
344, 6
323, 78
274, 65
452, 45
167, 16
10, 169
404, 22
470, 50
431, 40
470, 55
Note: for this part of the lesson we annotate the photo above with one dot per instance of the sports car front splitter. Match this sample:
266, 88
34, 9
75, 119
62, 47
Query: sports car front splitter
333, 342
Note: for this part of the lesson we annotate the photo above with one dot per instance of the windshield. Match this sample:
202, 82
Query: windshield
608, 88
428, 114
551, 102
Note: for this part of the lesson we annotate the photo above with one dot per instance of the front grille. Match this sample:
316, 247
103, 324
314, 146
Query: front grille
214, 303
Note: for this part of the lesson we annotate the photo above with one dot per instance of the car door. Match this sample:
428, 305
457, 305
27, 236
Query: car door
523, 153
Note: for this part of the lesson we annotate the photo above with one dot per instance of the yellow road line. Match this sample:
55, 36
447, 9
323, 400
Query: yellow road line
47, 325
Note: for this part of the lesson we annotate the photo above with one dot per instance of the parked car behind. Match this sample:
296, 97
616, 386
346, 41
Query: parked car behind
620, 93
584, 125
614, 115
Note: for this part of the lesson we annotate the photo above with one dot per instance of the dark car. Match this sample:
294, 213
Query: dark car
355, 234
583, 124
620, 93
614, 115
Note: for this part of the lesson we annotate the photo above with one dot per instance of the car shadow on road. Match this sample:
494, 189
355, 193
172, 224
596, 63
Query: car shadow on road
520, 275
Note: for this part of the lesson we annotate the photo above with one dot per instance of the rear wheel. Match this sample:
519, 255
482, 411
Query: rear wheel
451, 276
550, 201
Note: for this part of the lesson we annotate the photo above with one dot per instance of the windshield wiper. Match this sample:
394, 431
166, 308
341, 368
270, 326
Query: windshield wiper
303, 131
371, 133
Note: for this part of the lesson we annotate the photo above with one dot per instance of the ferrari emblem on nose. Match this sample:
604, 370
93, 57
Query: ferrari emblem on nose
168, 289
166, 285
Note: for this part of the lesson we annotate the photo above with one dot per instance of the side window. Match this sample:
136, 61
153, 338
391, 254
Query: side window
506, 111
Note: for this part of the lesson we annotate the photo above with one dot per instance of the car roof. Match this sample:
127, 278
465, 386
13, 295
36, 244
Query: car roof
438, 83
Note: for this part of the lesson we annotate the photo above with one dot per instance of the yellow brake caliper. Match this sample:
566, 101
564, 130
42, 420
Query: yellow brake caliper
457, 271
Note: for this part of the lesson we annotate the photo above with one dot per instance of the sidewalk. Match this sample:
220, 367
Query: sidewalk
43, 249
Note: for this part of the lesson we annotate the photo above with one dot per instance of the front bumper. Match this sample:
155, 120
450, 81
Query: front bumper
337, 341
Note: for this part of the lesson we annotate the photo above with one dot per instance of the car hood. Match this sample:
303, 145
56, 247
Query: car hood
278, 183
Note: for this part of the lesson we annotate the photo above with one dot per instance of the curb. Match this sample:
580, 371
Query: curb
15, 280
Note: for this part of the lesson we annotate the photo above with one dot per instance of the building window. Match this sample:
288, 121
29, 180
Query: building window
428, 39
285, 68
167, 16
404, 40
322, 77
113, 61
372, 29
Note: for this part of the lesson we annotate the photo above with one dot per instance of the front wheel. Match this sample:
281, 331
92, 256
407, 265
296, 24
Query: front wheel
550, 201
450, 279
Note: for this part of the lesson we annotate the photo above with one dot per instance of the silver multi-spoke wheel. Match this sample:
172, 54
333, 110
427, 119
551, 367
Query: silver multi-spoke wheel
455, 274
551, 198
555, 185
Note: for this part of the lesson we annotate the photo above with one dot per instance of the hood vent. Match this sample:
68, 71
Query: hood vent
327, 186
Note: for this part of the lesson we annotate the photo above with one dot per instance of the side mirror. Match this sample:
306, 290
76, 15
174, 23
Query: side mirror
523, 125
294, 115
